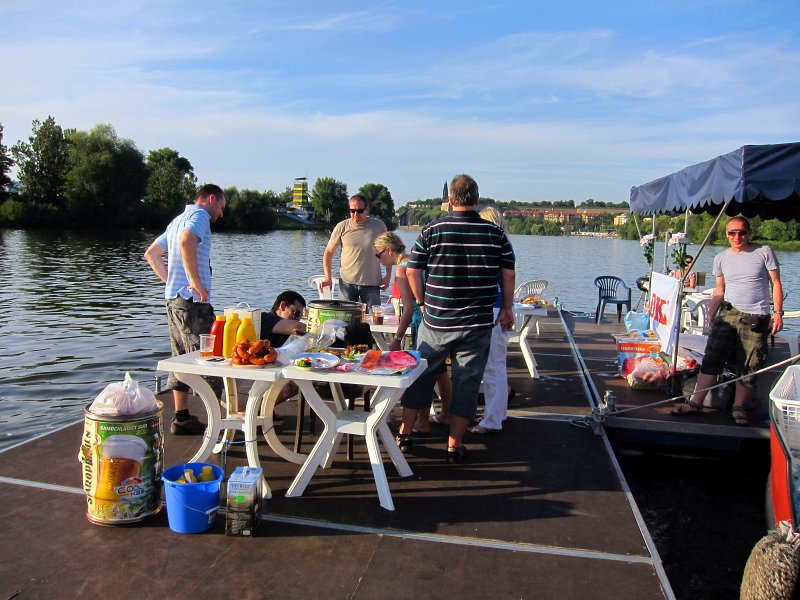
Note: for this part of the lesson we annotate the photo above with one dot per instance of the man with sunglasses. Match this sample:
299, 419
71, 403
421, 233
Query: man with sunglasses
359, 273
740, 314
284, 319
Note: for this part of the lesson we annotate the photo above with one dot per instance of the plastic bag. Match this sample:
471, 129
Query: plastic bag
636, 321
124, 398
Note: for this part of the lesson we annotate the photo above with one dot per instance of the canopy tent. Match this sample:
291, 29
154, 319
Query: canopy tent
758, 180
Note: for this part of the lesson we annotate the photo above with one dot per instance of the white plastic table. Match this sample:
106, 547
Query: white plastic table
528, 312
268, 383
384, 333
370, 424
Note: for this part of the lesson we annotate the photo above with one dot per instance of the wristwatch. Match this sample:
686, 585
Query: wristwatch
777, 312
398, 338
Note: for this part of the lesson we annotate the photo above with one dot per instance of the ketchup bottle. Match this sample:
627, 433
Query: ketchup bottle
218, 329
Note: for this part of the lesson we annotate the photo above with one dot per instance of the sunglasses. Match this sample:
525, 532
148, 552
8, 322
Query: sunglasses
379, 254
737, 232
360, 211
297, 313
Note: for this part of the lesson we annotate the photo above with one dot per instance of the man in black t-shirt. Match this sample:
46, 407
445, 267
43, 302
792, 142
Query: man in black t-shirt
284, 319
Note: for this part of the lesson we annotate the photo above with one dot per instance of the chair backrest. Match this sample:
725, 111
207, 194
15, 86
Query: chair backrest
531, 288
315, 282
607, 286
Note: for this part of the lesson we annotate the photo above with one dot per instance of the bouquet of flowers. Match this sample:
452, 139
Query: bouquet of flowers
678, 241
647, 242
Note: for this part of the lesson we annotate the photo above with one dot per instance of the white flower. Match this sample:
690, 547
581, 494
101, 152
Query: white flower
678, 238
647, 239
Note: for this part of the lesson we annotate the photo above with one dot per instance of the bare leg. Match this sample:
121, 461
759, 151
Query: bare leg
181, 400
409, 417
458, 425
445, 395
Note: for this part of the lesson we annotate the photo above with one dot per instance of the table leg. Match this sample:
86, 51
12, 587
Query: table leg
525, 347
260, 407
324, 444
383, 400
211, 403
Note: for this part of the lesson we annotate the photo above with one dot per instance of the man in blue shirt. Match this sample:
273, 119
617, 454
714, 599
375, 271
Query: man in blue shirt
187, 275
465, 257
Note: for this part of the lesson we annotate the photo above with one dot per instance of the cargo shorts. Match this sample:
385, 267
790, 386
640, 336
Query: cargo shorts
186, 320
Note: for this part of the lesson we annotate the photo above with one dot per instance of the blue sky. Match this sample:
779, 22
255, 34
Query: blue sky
537, 100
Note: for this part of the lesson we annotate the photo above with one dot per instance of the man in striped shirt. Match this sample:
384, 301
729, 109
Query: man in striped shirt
465, 257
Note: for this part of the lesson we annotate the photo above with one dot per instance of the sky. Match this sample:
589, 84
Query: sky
557, 100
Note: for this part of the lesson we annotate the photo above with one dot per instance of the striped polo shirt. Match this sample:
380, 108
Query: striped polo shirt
198, 221
462, 254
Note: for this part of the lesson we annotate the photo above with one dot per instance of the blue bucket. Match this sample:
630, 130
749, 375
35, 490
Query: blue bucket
191, 507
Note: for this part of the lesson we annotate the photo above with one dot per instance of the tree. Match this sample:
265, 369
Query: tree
329, 199
381, 204
171, 184
6, 162
251, 211
43, 164
107, 180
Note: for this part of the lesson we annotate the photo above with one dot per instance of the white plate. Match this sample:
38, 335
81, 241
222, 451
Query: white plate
201, 360
319, 360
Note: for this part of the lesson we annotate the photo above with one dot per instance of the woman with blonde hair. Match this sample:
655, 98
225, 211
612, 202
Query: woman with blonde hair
390, 251
495, 378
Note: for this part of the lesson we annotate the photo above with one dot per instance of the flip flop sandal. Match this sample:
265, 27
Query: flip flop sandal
696, 410
740, 416
483, 430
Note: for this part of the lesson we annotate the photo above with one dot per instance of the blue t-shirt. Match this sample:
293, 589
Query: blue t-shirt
198, 221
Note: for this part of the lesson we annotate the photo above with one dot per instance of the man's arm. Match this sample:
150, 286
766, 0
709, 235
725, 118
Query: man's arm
505, 316
327, 264
189, 255
777, 300
716, 298
289, 327
154, 255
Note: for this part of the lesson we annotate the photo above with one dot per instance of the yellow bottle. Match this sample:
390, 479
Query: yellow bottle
229, 336
246, 331
188, 475
207, 474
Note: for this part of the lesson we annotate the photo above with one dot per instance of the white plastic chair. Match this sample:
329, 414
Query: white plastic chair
330, 293
534, 287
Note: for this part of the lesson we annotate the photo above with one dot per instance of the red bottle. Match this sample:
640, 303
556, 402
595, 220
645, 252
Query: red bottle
218, 329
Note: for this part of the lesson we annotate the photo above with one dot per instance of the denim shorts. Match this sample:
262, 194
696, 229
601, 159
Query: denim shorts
368, 294
469, 350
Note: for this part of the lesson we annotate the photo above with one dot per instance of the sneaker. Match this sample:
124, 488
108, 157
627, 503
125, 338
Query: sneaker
190, 426
456, 455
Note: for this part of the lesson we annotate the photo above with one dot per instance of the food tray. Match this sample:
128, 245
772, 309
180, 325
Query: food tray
785, 398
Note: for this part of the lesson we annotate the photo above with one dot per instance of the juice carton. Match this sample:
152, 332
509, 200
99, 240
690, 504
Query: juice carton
244, 502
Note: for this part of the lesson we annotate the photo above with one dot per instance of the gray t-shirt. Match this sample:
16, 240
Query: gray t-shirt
747, 282
358, 264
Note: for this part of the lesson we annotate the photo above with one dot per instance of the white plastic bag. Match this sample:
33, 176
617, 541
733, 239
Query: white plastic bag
124, 398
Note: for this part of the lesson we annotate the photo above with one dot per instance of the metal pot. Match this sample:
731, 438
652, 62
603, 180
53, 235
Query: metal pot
320, 311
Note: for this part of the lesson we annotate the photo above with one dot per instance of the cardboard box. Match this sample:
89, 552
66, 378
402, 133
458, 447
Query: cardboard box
244, 502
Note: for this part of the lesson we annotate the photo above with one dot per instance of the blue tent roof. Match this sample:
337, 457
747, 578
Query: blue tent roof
761, 180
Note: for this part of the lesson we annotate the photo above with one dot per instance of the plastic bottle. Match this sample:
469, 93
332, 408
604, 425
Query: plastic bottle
246, 331
218, 330
207, 474
229, 338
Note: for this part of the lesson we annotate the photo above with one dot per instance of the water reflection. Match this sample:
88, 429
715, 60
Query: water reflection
81, 309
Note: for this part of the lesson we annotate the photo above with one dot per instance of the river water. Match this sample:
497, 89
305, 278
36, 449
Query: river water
83, 309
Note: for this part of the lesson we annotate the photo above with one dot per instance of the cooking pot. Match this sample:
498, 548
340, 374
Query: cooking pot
320, 311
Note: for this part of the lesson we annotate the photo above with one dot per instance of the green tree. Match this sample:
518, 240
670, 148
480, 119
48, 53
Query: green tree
43, 164
329, 199
250, 210
381, 205
171, 184
107, 180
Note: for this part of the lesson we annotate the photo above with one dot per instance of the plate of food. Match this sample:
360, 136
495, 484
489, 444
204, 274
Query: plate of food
315, 360
356, 352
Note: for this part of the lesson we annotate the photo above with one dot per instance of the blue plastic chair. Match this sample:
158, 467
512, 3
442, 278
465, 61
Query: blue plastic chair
611, 290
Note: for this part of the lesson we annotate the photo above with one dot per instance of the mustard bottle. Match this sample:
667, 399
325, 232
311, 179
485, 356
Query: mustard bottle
229, 335
246, 331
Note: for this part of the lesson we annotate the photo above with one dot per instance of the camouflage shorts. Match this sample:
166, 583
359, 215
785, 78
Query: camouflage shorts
736, 336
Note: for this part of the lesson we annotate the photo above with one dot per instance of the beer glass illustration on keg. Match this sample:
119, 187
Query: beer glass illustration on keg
121, 460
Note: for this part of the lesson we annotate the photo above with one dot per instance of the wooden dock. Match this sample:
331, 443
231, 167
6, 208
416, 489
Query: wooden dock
539, 511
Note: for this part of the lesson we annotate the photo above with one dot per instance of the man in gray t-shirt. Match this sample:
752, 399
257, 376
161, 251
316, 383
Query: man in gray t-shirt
740, 314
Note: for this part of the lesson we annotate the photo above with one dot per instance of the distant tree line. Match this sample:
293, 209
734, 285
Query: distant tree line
91, 179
